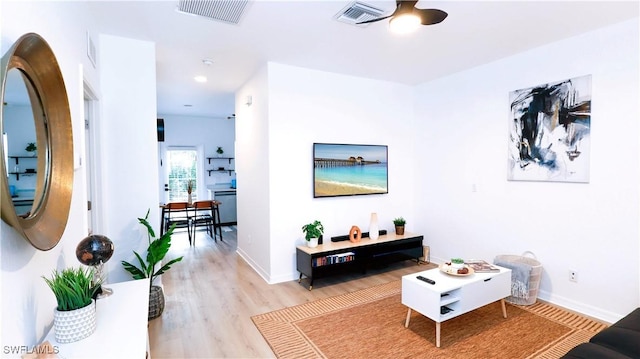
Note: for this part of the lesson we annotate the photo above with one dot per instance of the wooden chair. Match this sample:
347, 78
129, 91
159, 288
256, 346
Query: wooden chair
203, 216
178, 213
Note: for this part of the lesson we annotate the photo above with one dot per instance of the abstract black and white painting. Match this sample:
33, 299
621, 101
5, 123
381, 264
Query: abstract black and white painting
549, 132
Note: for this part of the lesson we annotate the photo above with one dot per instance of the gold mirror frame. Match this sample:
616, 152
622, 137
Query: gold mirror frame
43, 228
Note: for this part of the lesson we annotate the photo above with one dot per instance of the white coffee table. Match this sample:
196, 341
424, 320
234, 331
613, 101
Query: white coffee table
461, 294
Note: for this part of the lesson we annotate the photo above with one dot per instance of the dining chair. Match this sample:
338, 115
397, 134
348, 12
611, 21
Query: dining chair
217, 226
203, 216
177, 213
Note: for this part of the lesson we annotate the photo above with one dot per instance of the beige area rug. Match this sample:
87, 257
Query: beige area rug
370, 324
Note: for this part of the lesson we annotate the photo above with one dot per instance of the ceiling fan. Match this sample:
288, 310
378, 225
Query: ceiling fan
406, 14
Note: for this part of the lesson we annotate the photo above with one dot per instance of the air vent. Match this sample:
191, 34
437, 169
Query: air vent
357, 12
229, 11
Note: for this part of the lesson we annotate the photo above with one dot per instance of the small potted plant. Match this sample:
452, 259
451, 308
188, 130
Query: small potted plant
75, 316
219, 151
457, 263
158, 248
399, 223
312, 232
31, 147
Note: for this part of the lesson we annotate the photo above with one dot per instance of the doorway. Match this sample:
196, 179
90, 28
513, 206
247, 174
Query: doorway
182, 169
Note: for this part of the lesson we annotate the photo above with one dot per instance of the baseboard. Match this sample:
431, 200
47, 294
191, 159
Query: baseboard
261, 272
581, 308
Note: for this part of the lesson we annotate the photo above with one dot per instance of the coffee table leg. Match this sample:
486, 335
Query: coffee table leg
504, 308
406, 323
438, 334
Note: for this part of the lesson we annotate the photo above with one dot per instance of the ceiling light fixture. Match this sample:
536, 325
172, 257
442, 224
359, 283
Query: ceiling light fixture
200, 78
207, 62
404, 23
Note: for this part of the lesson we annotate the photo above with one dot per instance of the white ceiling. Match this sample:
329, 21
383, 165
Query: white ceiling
304, 33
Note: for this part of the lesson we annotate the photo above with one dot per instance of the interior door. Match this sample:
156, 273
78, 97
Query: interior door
181, 167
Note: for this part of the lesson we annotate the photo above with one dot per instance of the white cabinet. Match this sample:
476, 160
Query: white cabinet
121, 329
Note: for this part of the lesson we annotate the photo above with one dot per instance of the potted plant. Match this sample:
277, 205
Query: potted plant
399, 223
312, 232
75, 316
219, 151
457, 263
157, 250
31, 147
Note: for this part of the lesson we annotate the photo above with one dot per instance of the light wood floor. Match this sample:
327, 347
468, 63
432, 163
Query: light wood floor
212, 294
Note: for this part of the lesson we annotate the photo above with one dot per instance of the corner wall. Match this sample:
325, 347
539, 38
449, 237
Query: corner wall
307, 106
467, 208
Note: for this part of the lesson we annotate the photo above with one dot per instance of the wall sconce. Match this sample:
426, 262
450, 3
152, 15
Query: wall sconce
248, 100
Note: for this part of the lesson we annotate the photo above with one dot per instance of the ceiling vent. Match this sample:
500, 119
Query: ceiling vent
229, 11
357, 12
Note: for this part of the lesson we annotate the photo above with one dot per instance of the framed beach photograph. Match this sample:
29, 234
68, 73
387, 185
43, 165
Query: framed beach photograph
349, 169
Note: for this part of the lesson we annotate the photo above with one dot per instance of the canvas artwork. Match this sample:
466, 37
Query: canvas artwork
348, 170
549, 132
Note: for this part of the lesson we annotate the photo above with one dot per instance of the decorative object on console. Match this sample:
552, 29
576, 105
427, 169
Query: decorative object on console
374, 230
457, 262
348, 170
95, 250
157, 250
355, 234
219, 151
75, 316
31, 147
313, 231
190, 184
399, 223
549, 132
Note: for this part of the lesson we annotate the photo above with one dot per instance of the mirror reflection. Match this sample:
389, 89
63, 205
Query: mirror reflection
21, 104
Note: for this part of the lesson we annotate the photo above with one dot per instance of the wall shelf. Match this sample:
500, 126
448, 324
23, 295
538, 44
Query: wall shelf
219, 158
228, 159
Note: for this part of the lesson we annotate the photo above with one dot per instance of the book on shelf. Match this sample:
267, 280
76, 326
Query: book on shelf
481, 266
333, 259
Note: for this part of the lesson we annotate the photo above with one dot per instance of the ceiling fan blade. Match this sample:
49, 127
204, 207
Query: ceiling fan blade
430, 16
374, 20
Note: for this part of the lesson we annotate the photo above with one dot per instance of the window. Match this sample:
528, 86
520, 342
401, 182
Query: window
182, 169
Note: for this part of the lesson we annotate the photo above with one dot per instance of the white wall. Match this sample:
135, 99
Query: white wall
307, 106
128, 145
252, 172
27, 303
461, 142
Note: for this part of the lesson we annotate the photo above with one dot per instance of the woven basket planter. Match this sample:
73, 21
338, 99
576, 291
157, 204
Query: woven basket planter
73, 325
156, 302
534, 277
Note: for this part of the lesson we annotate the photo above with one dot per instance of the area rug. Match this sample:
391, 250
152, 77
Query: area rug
370, 323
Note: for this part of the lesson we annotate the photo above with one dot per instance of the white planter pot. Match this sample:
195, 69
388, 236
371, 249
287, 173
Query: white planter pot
74, 325
313, 242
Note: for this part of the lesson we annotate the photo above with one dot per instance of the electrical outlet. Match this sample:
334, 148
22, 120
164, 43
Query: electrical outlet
573, 275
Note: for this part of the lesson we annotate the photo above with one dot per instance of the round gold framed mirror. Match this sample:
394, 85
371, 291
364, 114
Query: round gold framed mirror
40, 215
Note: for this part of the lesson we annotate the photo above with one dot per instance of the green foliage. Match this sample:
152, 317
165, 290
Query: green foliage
457, 260
399, 221
313, 230
72, 288
157, 250
31, 146
220, 150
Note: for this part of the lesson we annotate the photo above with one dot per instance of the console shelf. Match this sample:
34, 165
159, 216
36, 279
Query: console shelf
341, 257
